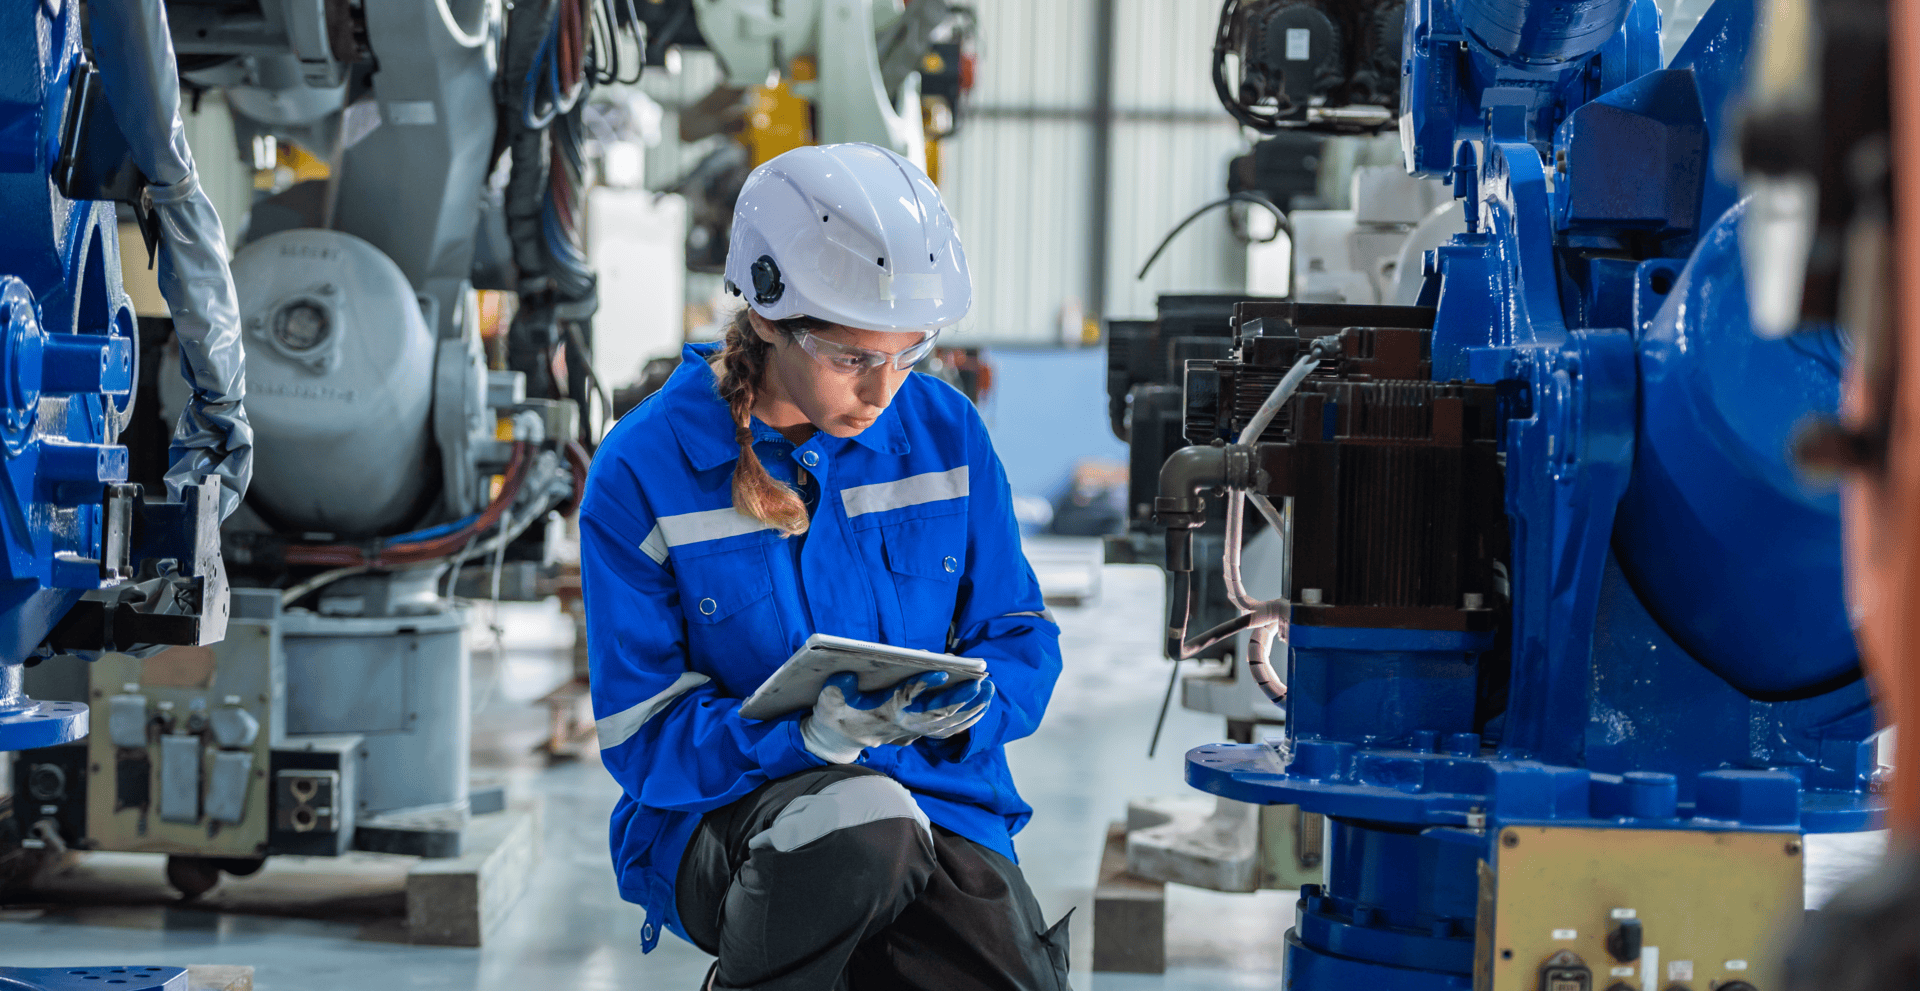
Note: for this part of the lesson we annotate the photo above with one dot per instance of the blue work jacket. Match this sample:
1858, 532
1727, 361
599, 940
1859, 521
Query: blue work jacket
690, 605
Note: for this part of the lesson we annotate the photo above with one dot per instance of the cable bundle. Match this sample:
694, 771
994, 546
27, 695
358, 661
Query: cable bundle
426, 545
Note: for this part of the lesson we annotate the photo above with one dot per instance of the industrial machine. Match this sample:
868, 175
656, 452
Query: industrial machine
392, 458
96, 565
1537, 664
803, 72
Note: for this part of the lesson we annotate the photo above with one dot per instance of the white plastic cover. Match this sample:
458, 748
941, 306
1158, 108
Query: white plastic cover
142, 84
859, 235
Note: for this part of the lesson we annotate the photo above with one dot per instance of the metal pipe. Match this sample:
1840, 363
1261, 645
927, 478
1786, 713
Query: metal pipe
1184, 475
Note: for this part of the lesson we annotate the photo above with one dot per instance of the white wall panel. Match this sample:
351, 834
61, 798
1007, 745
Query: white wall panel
1035, 53
1018, 192
1162, 172
1163, 53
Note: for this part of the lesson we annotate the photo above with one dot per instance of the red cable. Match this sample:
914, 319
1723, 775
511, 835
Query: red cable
579, 460
352, 555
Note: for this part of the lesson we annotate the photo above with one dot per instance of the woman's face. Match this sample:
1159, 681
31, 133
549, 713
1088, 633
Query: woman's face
840, 402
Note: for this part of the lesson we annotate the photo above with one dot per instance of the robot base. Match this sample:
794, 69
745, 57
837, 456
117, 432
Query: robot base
25, 724
1307, 967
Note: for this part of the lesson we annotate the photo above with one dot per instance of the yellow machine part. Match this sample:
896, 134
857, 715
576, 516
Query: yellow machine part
777, 121
305, 165
1711, 907
139, 275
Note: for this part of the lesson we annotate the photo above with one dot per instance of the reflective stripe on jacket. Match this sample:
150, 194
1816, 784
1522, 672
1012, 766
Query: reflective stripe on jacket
690, 605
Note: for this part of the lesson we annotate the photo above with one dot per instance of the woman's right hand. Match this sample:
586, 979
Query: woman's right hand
846, 720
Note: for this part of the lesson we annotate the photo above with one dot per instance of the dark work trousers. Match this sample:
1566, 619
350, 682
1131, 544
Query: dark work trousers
832, 880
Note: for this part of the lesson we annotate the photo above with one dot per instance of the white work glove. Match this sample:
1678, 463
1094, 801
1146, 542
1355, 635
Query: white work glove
846, 720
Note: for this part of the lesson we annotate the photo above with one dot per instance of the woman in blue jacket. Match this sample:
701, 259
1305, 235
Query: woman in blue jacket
798, 479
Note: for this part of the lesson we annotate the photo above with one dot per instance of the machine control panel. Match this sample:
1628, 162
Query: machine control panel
1581, 909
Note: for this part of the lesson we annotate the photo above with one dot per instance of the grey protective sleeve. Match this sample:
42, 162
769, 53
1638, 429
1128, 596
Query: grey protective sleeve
142, 84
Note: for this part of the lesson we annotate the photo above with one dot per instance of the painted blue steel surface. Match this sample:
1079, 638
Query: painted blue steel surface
1700, 495
42, 724
93, 979
67, 336
1380, 687
1677, 647
1311, 967
1541, 31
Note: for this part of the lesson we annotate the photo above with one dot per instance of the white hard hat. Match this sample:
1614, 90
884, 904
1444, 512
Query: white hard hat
851, 234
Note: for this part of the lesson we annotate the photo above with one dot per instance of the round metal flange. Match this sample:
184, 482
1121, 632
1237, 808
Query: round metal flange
42, 724
22, 346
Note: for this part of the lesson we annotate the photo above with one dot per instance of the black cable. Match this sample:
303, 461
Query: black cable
657, 47
639, 39
1222, 46
579, 342
1279, 218
600, 35
1179, 648
1166, 702
1179, 607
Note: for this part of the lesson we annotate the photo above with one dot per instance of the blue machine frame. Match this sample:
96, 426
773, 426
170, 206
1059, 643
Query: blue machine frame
1680, 654
67, 341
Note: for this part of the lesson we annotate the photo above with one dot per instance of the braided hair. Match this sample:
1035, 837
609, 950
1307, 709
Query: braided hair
740, 370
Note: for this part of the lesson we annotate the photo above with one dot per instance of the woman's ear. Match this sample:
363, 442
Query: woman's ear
762, 327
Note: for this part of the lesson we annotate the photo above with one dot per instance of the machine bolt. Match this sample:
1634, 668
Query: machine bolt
1793, 848
1310, 597
1509, 839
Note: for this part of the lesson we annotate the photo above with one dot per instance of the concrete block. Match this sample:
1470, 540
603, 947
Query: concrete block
1202, 841
457, 901
1129, 914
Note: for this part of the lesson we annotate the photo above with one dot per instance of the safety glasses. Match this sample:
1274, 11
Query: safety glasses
853, 361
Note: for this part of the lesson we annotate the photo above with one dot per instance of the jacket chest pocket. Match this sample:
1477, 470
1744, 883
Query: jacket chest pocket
733, 625
926, 559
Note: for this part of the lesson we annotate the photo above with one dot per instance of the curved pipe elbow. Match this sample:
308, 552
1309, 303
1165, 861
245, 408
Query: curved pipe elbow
1187, 472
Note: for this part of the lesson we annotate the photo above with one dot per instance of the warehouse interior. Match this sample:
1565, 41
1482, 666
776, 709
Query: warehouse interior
1406, 494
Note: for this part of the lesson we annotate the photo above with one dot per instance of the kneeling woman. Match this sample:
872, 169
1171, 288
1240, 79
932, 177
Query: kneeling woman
798, 479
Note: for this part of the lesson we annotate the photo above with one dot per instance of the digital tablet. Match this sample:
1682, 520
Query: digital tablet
797, 683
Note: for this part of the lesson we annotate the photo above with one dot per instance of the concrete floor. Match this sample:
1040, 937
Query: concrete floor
570, 930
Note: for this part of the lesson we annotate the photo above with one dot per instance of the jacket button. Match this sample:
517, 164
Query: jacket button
810, 458
949, 564
707, 606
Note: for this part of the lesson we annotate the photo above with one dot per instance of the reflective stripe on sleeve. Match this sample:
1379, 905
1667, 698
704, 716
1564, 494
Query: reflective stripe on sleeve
1046, 614
620, 727
655, 546
934, 486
